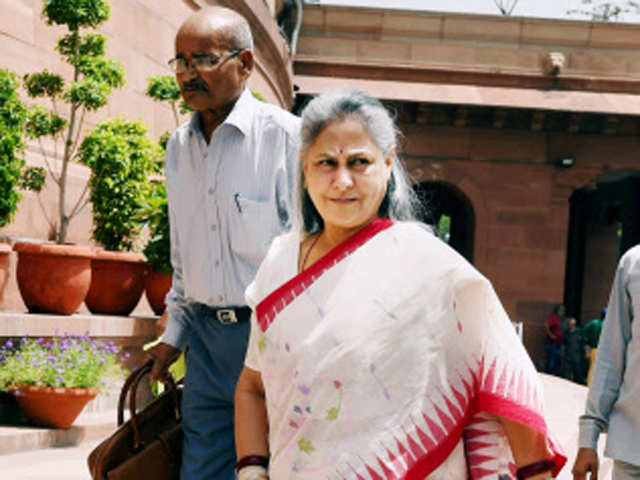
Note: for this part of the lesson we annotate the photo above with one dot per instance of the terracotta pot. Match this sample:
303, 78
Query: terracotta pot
53, 278
117, 282
52, 406
5, 251
158, 285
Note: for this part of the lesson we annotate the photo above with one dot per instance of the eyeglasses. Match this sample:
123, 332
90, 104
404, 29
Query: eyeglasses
202, 63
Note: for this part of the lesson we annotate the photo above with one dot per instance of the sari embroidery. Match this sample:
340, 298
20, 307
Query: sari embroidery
376, 369
268, 308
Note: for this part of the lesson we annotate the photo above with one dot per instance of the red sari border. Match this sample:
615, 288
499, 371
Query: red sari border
276, 301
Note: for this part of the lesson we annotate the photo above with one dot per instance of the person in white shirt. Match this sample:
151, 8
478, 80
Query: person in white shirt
229, 175
613, 403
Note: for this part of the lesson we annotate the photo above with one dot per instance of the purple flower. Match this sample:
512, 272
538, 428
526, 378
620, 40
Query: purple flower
18, 357
102, 360
60, 379
9, 344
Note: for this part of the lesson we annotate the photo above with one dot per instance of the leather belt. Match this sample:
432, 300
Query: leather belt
229, 315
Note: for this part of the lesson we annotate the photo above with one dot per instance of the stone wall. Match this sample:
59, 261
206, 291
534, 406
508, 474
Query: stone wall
140, 34
521, 204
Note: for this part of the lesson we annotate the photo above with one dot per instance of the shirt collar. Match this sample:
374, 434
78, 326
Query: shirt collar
240, 115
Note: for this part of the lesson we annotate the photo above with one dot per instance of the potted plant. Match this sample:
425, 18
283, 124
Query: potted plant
58, 270
119, 154
52, 380
155, 214
12, 117
13, 173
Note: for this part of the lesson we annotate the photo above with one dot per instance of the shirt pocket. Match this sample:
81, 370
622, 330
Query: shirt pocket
253, 225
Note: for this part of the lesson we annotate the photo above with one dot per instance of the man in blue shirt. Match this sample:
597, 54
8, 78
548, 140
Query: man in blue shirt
229, 172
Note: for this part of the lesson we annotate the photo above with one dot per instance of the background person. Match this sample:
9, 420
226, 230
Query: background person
574, 352
553, 341
229, 172
613, 403
592, 331
375, 348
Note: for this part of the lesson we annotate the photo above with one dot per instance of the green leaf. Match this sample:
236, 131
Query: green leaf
12, 118
33, 179
119, 154
90, 93
42, 122
163, 88
43, 84
77, 13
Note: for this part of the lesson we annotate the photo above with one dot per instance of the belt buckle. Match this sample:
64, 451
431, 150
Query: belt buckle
226, 316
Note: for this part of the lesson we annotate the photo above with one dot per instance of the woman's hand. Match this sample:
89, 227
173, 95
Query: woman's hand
253, 473
527, 445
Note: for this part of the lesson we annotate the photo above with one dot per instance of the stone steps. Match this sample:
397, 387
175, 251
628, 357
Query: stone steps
90, 426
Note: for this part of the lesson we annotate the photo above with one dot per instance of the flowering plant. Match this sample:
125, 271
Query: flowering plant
71, 361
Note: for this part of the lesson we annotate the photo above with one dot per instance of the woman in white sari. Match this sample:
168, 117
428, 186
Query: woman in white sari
376, 351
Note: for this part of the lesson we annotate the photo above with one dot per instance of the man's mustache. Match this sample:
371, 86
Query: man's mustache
194, 85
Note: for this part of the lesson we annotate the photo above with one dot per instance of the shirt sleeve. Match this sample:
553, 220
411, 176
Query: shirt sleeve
610, 364
178, 326
286, 183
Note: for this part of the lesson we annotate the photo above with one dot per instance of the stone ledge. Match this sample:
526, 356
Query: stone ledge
88, 426
45, 325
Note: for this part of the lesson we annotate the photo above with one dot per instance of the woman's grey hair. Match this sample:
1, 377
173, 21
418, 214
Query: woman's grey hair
400, 201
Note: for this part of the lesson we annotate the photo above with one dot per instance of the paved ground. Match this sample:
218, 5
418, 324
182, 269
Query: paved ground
564, 403
67, 463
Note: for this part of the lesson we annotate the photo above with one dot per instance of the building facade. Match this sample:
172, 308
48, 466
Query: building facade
524, 132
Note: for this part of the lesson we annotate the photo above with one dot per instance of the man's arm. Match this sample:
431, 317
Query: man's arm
175, 336
607, 376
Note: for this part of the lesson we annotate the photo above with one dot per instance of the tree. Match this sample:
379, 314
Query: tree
94, 77
506, 6
606, 11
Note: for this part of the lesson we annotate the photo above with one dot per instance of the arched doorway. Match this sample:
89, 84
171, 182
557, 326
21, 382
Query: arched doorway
450, 212
604, 222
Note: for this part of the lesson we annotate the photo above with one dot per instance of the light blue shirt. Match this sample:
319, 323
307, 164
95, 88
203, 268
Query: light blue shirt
613, 404
227, 200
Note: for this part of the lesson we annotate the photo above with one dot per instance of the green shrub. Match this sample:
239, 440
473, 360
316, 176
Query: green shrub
12, 118
119, 154
155, 214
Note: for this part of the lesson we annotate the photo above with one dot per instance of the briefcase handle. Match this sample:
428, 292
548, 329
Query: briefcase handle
131, 386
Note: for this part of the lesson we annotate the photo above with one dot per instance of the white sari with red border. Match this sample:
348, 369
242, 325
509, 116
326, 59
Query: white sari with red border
388, 359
